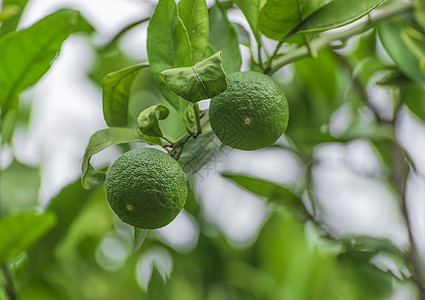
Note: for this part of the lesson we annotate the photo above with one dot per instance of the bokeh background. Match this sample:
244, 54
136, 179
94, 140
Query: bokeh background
228, 243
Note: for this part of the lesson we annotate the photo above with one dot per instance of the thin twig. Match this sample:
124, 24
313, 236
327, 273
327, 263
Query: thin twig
121, 33
198, 119
178, 146
413, 253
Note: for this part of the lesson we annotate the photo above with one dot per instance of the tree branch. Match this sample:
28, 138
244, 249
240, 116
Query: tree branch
324, 41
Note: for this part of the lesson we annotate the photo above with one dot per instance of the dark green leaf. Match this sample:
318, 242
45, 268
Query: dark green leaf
420, 12
27, 54
168, 47
148, 121
390, 34
370, 245
251, 9
194, 14
336, 14
413, 97
278, 18
204, 80
19, 232
223, 37
10, 14
116, 93
157, 288
198, 152
100, 140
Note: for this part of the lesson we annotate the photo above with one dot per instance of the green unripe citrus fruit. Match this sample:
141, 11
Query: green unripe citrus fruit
251, 114
146, 188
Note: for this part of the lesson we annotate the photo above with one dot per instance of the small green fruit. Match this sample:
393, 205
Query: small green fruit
146, 188
251, 114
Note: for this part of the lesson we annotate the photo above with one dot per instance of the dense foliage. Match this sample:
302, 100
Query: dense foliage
76, 248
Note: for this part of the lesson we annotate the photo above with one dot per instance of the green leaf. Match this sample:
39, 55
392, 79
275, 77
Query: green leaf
19, 187
199, 152
336, 14
390, 34
251, 9
148, 120
168, 47
26, 55
243, 35
204, 80
116, 93
224, 38
67, 205
10, 14
278, 18
420, 13
413, 97
194, 14
415, 41
100, 140
370, 245
263, 188
157, 288
19, 232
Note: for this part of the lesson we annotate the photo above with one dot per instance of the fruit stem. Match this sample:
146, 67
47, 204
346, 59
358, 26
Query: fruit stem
169, 141
260, 60
198, 118
139, 237
178, 146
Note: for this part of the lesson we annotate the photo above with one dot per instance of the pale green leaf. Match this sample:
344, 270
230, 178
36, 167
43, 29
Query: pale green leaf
116, 93
204, 80
168, 47
19, 187
148, 120
251, 9
278, 18
19, 232
415, 41
100, 140
26, 55
243, 35
8, 12
420, 12
194, 14
223, 37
